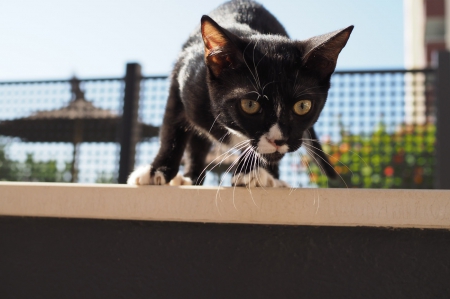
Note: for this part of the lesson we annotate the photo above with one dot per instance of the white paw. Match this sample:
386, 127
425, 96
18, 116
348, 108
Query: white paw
180, 180
141, 176
258, 178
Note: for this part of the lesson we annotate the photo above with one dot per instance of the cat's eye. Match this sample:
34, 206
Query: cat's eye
302, 107
250, 106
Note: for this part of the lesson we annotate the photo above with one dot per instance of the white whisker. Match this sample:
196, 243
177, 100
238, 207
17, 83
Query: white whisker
214, 123
227, 154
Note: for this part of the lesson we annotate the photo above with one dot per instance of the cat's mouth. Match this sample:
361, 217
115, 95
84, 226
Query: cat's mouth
273, 157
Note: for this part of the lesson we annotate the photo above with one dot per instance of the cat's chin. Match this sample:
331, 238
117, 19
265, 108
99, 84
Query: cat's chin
273, 157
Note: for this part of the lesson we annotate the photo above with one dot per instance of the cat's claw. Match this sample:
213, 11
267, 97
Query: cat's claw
141, 176
180, 180
258, 178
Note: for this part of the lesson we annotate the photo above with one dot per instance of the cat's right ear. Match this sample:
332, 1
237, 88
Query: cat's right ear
321, 52
220, 49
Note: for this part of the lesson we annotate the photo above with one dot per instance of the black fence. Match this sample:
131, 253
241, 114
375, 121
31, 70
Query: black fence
381, 128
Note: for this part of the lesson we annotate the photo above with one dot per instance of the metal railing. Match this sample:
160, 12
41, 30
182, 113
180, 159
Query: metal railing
379, 126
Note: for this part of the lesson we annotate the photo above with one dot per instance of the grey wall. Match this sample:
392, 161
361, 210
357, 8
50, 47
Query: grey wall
79, 258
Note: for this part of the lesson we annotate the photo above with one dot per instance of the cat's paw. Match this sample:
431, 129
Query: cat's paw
258, 178
180, 180
141, 176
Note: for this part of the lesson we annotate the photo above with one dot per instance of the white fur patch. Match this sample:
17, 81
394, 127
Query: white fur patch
235, 137
180, 180
258, 178
267, 147
141, 176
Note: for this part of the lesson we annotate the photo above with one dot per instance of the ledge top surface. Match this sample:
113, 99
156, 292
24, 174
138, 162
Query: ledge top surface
321, 207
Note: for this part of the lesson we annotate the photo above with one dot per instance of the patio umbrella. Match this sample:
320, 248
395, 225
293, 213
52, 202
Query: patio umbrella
79, 121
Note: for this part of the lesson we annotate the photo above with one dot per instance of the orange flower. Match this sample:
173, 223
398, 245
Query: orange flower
344, 147
418, 179
334, 158
389, 171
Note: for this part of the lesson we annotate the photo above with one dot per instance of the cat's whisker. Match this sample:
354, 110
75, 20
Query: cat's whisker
245, 61
214, 122
254, 87
258, 83
312, 146
322, 170
299, 162
256, 166
266, 86
335, 144
259, 161
265, 54
336, 172
240, 160
226, 171
253, 92
311, 173
227, 154
249, 188
306, 91
311, 154
223, 138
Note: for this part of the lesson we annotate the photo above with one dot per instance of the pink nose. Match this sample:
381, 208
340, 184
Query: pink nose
276, 143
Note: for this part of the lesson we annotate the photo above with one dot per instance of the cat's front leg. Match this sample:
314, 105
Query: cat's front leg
257, 176
174, 135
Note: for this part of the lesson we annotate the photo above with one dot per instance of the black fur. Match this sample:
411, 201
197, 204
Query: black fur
249, 55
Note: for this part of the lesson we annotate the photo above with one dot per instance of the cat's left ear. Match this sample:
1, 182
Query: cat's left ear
321, 52
220, 48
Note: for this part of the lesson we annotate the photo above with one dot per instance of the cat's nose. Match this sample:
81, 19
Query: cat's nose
277, 142
280, 142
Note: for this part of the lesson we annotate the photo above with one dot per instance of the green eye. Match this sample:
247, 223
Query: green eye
302, 107
250, 106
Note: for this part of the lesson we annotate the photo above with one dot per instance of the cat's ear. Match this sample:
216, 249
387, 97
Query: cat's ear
220, 48
321, 52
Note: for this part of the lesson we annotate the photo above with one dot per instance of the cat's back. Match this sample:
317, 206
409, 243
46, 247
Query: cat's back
242, 17
250, 13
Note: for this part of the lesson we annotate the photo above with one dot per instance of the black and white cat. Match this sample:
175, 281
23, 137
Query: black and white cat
241, 81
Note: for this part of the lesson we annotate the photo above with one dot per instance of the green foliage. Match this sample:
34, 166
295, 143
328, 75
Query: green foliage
404, 159
31, 170
8, 168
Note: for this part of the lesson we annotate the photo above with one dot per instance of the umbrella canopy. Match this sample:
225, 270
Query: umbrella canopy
79, 121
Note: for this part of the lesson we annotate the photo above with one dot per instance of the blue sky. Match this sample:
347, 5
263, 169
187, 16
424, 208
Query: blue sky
48, 39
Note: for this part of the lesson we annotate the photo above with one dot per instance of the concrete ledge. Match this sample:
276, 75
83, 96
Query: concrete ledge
319, 207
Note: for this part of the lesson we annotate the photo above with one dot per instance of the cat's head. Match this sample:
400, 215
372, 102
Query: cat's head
268, 88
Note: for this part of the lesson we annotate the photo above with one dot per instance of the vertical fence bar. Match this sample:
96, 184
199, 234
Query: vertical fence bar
442, 171
129, 131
